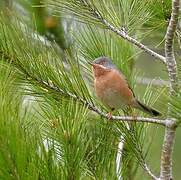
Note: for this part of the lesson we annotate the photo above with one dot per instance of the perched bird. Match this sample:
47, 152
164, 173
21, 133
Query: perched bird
112, 88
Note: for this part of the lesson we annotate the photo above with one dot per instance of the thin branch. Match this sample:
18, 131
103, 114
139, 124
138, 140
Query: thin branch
57, 90
149, 172
169, 138
119, 160
125, 36
93, 12
119, 157
178, 34
139, 119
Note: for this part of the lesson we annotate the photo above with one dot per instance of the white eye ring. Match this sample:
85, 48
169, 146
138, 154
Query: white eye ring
103, 67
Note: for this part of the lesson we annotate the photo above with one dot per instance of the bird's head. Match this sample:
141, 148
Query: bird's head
102, 65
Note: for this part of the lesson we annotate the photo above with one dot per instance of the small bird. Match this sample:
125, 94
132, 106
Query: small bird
113, 89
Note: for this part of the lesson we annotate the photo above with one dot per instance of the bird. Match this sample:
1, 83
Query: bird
113, 90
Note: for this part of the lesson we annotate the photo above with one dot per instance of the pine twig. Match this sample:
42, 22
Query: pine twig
93, 12
119, 157
125, 36
169, 138
149, 172
57, 90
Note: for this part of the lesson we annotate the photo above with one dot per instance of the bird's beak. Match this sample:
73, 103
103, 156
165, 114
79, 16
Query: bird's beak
90, 63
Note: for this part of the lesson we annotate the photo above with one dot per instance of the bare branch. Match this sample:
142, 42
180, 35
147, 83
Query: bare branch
138, 119
169, 50
124, 35
119, 157
93, 12
168, 143
167, 149
178, 33
148, 171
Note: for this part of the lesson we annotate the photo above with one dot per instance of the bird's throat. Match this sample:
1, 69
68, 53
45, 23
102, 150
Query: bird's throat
100, 71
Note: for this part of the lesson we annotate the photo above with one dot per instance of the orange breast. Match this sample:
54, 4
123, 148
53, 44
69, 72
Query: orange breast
113, 90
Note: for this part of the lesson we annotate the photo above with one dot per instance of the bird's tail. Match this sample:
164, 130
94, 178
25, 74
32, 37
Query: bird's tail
147, 109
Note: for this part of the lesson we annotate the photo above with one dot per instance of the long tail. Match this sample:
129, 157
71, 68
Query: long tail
147, 109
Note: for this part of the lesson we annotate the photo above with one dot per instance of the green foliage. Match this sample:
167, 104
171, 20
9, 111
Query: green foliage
61, 93
94, 42
119, 13
18, 155
161, 11
47, 128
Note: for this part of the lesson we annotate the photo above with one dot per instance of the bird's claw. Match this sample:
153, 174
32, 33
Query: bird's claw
109, 115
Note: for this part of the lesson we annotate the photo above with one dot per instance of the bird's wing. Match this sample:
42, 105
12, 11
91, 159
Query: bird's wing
126, 82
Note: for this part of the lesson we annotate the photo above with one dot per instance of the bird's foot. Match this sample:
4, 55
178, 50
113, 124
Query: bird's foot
135, 115
109, 115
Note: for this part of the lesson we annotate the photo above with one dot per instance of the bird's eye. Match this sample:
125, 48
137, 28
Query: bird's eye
102, 62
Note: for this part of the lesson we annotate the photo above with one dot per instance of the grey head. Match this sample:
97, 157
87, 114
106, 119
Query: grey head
105, 61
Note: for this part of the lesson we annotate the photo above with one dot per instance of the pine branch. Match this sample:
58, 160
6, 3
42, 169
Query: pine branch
87, 11
119, 157
57, 90
170, 124
169, 138
125, 36
119, 160
149, 172
166, 156
169, 50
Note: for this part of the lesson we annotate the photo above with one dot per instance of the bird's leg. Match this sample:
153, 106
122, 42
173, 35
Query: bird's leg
132, 113
135, 115
109, 114
129, 112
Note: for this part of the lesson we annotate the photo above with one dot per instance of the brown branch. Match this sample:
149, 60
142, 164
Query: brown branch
178, 33
170, 131
138, 119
